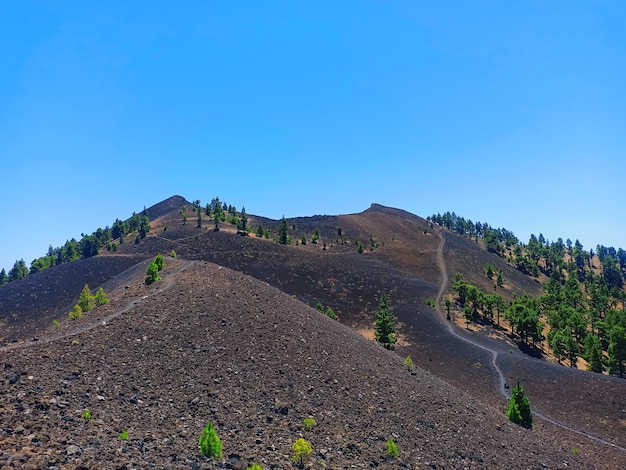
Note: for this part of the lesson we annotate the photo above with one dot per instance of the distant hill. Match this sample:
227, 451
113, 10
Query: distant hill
346, 262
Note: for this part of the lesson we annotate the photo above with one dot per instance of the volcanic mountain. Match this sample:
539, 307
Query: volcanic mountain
230, 336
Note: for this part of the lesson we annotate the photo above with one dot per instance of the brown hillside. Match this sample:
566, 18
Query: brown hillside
209, 344
410, 262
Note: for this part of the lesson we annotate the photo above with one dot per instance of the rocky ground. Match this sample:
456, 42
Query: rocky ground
207, 344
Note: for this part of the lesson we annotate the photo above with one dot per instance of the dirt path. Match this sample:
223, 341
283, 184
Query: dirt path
503, 389
168, 282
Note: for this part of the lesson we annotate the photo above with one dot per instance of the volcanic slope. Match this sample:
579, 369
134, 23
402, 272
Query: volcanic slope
400, 256
403, 256
208, 344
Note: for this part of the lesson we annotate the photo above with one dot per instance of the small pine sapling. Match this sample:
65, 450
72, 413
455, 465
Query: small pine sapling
391, 448
408, 363
301, 450
309, 423
209, 443
101, 297
76, 313
123, 436
518, 411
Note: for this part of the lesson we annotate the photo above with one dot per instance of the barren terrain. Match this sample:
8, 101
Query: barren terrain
212, 343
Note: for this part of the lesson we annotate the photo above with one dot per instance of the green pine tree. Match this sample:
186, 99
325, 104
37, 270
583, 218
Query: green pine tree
282, 231
385, 326
518, 411
86, 300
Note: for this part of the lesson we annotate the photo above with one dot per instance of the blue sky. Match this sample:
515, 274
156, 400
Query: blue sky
511, 113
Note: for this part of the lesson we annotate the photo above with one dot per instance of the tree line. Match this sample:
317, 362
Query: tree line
137, 226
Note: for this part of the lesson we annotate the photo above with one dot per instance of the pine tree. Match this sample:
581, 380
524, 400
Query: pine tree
518, 411
3, 277
152, 273
282, 231
385, 326
593, 353
101, 297
86, 300
617, 351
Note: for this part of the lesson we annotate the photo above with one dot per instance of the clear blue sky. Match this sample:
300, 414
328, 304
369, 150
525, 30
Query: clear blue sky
511, 113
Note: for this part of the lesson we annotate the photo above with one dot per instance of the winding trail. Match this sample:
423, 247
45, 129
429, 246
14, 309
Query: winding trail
168, 282
494, 354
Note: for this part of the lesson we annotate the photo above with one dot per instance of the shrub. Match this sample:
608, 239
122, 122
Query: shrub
160, 262
518, 410
360, 248
309, 423
391, 448
152, 273
101, 297
76, 313
255, 466
86, 300
86, 415
123, 436
56, 323
330, 313
209, 443
408, 363
301, 450
172, 254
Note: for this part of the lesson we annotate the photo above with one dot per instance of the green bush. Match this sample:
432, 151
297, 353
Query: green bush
86, 300
76, 313
56, 323
86, 415
518, 410
408, 363
101, 297
330, 313
152, 273
309, 423
301, 450
160, 262
209, 443
123, 436
172, 254
255, 466
391, 448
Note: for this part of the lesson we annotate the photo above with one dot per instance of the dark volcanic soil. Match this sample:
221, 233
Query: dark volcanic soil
209, 344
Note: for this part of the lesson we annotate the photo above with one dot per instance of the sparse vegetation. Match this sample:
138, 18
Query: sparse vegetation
172, 254
301, 450
152, 273
283, 232
518, 411
408, 363
309, 423
255, 466
160, 262
86, 415
210, 443
385, 325
86, 300
76, 313
123, 436
316, 236
391, 449
101, 297
56, 323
